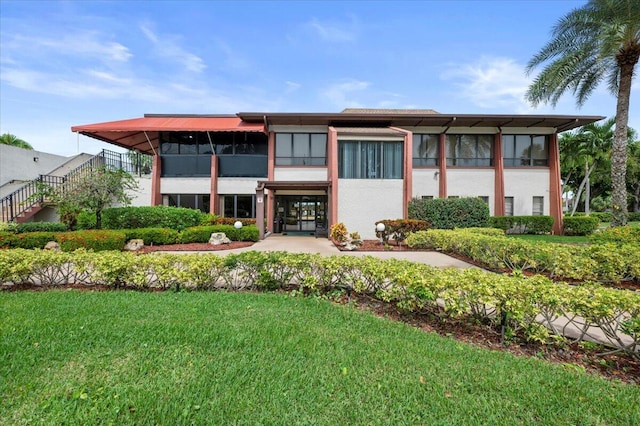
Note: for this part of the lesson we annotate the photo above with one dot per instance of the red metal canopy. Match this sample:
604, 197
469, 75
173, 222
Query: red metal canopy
142, 133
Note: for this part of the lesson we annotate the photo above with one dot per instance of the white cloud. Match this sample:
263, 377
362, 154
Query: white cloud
491, 83
292, 86
168, 47
342, 94
333, 32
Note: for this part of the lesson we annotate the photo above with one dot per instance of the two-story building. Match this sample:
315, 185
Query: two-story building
356, 167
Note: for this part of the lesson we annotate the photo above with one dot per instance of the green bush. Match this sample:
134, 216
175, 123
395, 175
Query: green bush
634, 216
580, 225
153, 235
7, 239
33, 240
201, 234
177, 218
96, 240
618, 235
602, 216
523, 224
399, 229
8, 227
212, 219
449, 213
40, 227
86, 220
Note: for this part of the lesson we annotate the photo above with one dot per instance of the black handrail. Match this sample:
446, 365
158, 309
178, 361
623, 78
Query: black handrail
25, 197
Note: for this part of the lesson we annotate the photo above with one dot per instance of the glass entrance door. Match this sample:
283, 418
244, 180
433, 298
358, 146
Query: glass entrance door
301, 213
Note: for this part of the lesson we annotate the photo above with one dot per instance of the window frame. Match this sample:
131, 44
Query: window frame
539, 212
476, 160
522, 161
380, 169
425, 162
301, 161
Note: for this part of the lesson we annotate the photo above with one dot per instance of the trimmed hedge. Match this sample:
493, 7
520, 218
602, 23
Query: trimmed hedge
96, 240
598, 262
617, 235
213, 219
86, 220
399, 229
531, 307
580, 225
177, 218
449, 213
33, 240
153, 235
201, 234
523, 224
7, 239
634, 216
40, 227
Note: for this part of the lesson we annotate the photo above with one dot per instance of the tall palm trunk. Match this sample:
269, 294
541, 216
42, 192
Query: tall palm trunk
619, 149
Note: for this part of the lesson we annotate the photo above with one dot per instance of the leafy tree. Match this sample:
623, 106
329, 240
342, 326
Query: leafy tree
92, 190
13, 140
598, 41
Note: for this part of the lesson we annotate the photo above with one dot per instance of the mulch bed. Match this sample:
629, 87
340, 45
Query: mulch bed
196, 247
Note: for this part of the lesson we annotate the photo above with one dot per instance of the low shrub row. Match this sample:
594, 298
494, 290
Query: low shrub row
608, 263
617, 235
580, 225
523, 224
399, 229
99, 240
530, 308
96, 240
449, 213
213, 219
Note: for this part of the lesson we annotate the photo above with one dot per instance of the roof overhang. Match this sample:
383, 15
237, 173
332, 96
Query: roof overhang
559, 122
142, 134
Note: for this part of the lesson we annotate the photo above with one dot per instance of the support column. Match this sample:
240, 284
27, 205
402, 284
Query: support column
555, 188
332, 175
442, 161
260, 210
271, 166
407, 170
498, 191
214, 205
156, 171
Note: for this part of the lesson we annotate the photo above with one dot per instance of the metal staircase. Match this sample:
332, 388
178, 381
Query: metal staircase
25, 202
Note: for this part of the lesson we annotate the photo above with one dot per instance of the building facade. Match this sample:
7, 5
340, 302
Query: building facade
296, 172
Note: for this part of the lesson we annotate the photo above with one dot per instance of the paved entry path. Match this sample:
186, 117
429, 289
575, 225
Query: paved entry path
306, 244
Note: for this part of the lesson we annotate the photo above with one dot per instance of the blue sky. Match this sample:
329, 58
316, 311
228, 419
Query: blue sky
65, 63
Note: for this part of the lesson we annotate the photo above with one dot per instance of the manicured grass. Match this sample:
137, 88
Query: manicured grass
69, 357
560, 239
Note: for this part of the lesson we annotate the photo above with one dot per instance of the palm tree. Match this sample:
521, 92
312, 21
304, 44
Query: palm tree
13, 140
600, 40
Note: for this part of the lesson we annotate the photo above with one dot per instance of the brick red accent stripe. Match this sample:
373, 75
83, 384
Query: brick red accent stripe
156, 194
498, 202
442, 160
555, 188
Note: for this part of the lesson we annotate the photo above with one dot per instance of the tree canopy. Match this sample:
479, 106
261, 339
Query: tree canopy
13, 140
597, 42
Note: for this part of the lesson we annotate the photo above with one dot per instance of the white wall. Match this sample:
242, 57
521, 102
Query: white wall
185, 185
424, 183
142, 196
236, 186
300, 173
362, 202
17, 163
523, 185
472, 183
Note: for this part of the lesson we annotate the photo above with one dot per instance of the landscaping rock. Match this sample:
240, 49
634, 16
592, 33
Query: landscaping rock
134, 245
52, 245
218, 238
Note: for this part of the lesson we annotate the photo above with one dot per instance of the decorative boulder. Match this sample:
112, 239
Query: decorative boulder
352, 244
218, 238
134, 245
52, 245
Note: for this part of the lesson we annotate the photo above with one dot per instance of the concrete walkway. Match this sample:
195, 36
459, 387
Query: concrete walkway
306, 244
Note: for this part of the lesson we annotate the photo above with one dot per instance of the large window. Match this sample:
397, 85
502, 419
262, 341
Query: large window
240, 206
191, 201
469, 150
370, 160
301, 149
425, 150
240, 154
525, 150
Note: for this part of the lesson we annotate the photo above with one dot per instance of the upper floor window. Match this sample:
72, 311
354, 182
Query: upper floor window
525, 150
301, 149
370, 160
425, 150
469, 150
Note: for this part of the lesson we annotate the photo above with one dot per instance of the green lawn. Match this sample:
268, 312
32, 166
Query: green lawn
560, 239
69, 357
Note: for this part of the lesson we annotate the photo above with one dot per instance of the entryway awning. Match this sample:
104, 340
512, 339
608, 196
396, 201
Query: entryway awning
142, 134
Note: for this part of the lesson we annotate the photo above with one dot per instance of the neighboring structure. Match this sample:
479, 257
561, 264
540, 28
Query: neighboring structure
358, 166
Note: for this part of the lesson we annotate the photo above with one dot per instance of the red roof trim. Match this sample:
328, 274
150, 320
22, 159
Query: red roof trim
173, 124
